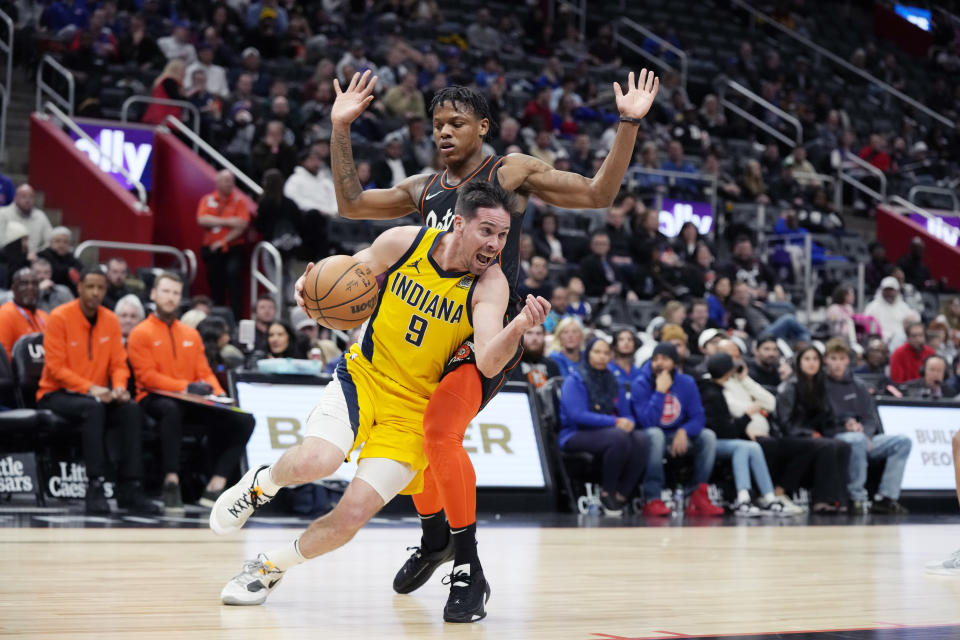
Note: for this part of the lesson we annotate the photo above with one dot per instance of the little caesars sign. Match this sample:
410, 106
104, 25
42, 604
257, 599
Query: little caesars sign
18, 473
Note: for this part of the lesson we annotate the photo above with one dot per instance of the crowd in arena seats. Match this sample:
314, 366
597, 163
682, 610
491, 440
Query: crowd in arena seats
659, 299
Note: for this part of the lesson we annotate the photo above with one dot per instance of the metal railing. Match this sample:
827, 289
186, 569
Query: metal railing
943, 191
259, 277
118, 167
44, 89
767, 106
639, 50
826, 53
183, 104
6, 46
881, 195
906, 204
188, 267
213, 153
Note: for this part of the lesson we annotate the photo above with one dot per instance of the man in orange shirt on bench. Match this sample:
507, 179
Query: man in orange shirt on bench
20, 316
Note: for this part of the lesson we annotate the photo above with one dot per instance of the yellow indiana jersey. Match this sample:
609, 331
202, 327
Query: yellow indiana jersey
422, 316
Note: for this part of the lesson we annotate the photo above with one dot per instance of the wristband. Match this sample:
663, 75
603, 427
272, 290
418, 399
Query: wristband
630, 120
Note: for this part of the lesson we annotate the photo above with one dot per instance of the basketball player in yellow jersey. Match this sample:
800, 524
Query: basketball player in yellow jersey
439, 288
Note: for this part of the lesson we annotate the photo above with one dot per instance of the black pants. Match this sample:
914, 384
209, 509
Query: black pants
224, 273
820, 461
227, 432
624, 456
123, 421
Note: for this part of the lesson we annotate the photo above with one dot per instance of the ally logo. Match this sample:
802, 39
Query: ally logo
674, 213
129, 148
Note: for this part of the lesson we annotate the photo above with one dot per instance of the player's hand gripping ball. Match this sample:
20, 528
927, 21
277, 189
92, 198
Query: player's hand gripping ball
340, 292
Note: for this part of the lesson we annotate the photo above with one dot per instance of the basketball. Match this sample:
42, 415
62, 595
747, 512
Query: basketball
340, 292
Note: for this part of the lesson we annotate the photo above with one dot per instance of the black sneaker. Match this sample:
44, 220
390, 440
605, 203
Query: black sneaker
172, 502
468, 595
208, 498
131, 497
96, 500
611, 506
420, 566
890, 507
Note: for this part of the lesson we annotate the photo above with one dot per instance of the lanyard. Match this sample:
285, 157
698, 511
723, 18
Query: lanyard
34, 321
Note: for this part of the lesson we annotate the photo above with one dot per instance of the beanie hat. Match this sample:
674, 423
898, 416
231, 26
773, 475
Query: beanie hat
666, 349
719, 364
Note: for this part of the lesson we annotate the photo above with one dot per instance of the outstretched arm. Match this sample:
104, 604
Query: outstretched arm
352, 200
571, 190
495, 344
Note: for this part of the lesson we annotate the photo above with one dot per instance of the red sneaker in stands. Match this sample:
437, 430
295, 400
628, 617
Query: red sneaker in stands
656, 508
700, 504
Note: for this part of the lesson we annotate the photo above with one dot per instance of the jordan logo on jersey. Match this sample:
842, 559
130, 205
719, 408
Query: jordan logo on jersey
415, 264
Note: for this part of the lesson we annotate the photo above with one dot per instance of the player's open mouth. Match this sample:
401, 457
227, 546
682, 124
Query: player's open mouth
484, 260
446, 147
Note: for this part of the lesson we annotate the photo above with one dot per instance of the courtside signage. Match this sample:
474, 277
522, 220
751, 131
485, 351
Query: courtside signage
118, 145
931, 429
501, 440
946, 229
674, 213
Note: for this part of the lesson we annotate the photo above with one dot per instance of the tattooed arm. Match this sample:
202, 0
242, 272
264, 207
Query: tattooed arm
352, 200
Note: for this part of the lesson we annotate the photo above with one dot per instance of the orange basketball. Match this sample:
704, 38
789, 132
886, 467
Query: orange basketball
340, 292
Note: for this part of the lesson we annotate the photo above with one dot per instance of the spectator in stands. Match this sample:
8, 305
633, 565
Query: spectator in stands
537, 113
543, 147
875, 358
697, 321
875, 153
508, 136
675, 335
482, 35
225, 216
96, 42
595, 417
577, 306
768, 368
129, 311
23, 209
118, 274
567, 346
20, 316
13, 252
89, 386
697, 274
747, 315
878, 268
66, 268
405, 99
685, 246
727, 186
938, 340
930, 385
667, 405
951, 388
417, 145
676, 162
264, 315
648, 238
535, 368
600, 277
545, 239
559, 308
735, 442
915, 272
856, 413
622, 363
744, 395
950, 316
746, 266
752, 184
802, 413
889, 309
167, 86
216, 75
177, 45
581, 157
7, 191
536, 283
266, 9
137, 46
840, 313
273, 152
282, 342
650, 183
311, 186
802, 169
51, 295
393, 168
717, 301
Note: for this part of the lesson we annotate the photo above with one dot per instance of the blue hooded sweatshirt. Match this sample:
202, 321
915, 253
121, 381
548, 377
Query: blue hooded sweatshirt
679, 407
576, 413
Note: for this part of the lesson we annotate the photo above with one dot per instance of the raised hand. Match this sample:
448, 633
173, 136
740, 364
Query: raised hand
638, 99
298, 288
534, 312
349, 104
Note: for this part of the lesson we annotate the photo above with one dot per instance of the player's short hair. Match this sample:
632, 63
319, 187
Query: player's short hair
167, 275
837, 345
464, 98
479, 194
94, 269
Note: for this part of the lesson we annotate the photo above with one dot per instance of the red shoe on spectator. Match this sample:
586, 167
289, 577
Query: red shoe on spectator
700, 504
656, 508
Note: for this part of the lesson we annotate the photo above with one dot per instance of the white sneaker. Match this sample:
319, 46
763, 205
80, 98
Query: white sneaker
745, 509
236, 504
255, 582
948, 567
789, 507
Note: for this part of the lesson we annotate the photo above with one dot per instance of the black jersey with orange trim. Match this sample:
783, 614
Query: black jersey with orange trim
439, 201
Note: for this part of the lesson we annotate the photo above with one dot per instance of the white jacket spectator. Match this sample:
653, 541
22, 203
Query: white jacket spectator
216, 75
890, 310
178, 45
741, 394
22, 210
311, 187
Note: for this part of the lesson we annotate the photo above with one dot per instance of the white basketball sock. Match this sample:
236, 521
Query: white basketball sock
265, 478
286, 556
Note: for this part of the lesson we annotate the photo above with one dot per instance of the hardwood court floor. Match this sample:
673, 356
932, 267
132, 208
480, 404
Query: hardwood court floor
581, 583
